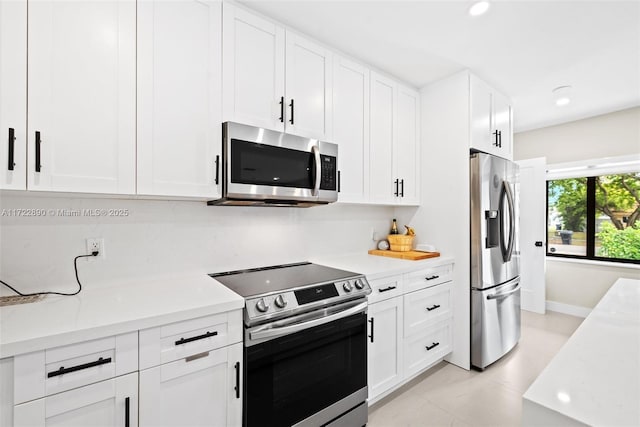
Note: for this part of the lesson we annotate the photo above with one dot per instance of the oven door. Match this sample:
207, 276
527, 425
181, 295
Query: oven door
261, 164
312, 376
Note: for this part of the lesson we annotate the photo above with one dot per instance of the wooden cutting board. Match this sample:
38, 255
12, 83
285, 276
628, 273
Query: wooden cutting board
409, 255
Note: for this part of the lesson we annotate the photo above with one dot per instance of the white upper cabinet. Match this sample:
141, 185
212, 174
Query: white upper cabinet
257, 56
252, 69
407, 147
383, 186
13, 94
179, 90
82, 96
491, 120
308, 88
394, 143
351, 128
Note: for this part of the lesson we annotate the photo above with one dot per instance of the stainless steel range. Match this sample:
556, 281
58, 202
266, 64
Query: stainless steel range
305, 358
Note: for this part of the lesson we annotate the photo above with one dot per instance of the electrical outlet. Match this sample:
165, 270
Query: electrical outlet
96, 244
374, 235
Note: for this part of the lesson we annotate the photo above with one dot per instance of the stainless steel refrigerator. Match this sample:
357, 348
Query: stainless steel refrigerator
495, 264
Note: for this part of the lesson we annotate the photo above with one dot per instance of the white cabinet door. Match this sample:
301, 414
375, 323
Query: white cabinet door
179, 91
197, 391
107, 403
407, 147
385, 346
480, 116
383, 185
253, 69
308, 88
501, 113
13, 94
82, 96
351, 128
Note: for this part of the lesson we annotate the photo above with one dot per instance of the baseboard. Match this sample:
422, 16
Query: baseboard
573, 310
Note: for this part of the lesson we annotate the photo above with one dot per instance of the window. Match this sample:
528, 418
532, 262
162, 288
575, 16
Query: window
595, 217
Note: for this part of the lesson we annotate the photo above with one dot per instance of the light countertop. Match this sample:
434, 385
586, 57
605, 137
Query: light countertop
374, 266
124, 307
595, 378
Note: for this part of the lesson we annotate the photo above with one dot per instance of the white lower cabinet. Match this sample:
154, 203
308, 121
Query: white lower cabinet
423, 349
385, 346
199, 390
112, 402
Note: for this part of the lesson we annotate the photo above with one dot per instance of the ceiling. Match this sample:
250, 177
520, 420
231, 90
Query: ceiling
522, 48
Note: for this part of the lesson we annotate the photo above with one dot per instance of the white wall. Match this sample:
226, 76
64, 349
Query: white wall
36, 253
609, 135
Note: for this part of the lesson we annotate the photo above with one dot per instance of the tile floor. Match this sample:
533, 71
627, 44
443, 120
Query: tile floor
450, 396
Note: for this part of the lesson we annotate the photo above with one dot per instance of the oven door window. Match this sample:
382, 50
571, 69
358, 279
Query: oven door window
293, 377
261, 164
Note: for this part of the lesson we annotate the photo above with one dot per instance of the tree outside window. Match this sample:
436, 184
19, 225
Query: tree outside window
595, 217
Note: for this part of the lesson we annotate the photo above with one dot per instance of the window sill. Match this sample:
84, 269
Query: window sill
594, 262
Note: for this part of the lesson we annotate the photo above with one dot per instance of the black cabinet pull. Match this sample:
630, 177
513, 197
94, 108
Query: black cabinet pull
199, 337
432, 346
127, 412
281, 109
431, 277
371, 336
539, 244
291, 105
396, 183
338, 181
12, 141
38, 142
390, 288
237, 387
63, 370
217, 169
433, 307
500, 139
402, 188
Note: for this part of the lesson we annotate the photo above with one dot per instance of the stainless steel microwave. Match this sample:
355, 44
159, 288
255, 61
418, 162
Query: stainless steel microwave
261, 167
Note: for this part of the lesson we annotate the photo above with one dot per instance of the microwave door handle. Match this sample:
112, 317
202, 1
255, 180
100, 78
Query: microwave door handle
316, 155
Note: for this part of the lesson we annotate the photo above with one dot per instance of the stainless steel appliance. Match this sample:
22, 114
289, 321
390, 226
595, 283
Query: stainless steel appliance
305, 345
495, 265
261, 167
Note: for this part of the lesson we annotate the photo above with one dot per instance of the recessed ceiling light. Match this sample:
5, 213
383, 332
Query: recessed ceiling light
479, 8
561, 95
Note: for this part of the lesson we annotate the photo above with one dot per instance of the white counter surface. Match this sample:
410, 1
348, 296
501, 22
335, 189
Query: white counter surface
124, 307
374, 266
595, 378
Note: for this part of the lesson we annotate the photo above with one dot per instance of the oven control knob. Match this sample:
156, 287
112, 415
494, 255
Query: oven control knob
359, 284
347, 287
262, 305
280, 301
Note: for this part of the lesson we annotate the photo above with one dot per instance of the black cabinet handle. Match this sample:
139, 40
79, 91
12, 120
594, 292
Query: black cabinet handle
433, 307
12, 141
217, 169
390, 288
281, 118
291, 105
196, 338
396, 183
237, 387
38, 142
127, 412
499, 139
371, 336
338, 181
63, 370
431, 277
402, 188
432, 346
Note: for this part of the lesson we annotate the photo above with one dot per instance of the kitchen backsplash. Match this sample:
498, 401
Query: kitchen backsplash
40, 236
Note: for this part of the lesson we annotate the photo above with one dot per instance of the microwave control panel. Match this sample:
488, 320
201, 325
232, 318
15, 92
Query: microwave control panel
329, 172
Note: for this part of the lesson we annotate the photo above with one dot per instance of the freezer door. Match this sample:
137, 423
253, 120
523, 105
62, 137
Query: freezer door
495, 322
494, 221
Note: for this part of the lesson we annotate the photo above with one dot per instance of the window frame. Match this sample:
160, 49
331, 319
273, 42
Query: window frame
590, 231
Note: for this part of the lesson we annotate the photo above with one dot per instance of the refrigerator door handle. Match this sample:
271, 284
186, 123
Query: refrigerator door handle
504, 294
507, 250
